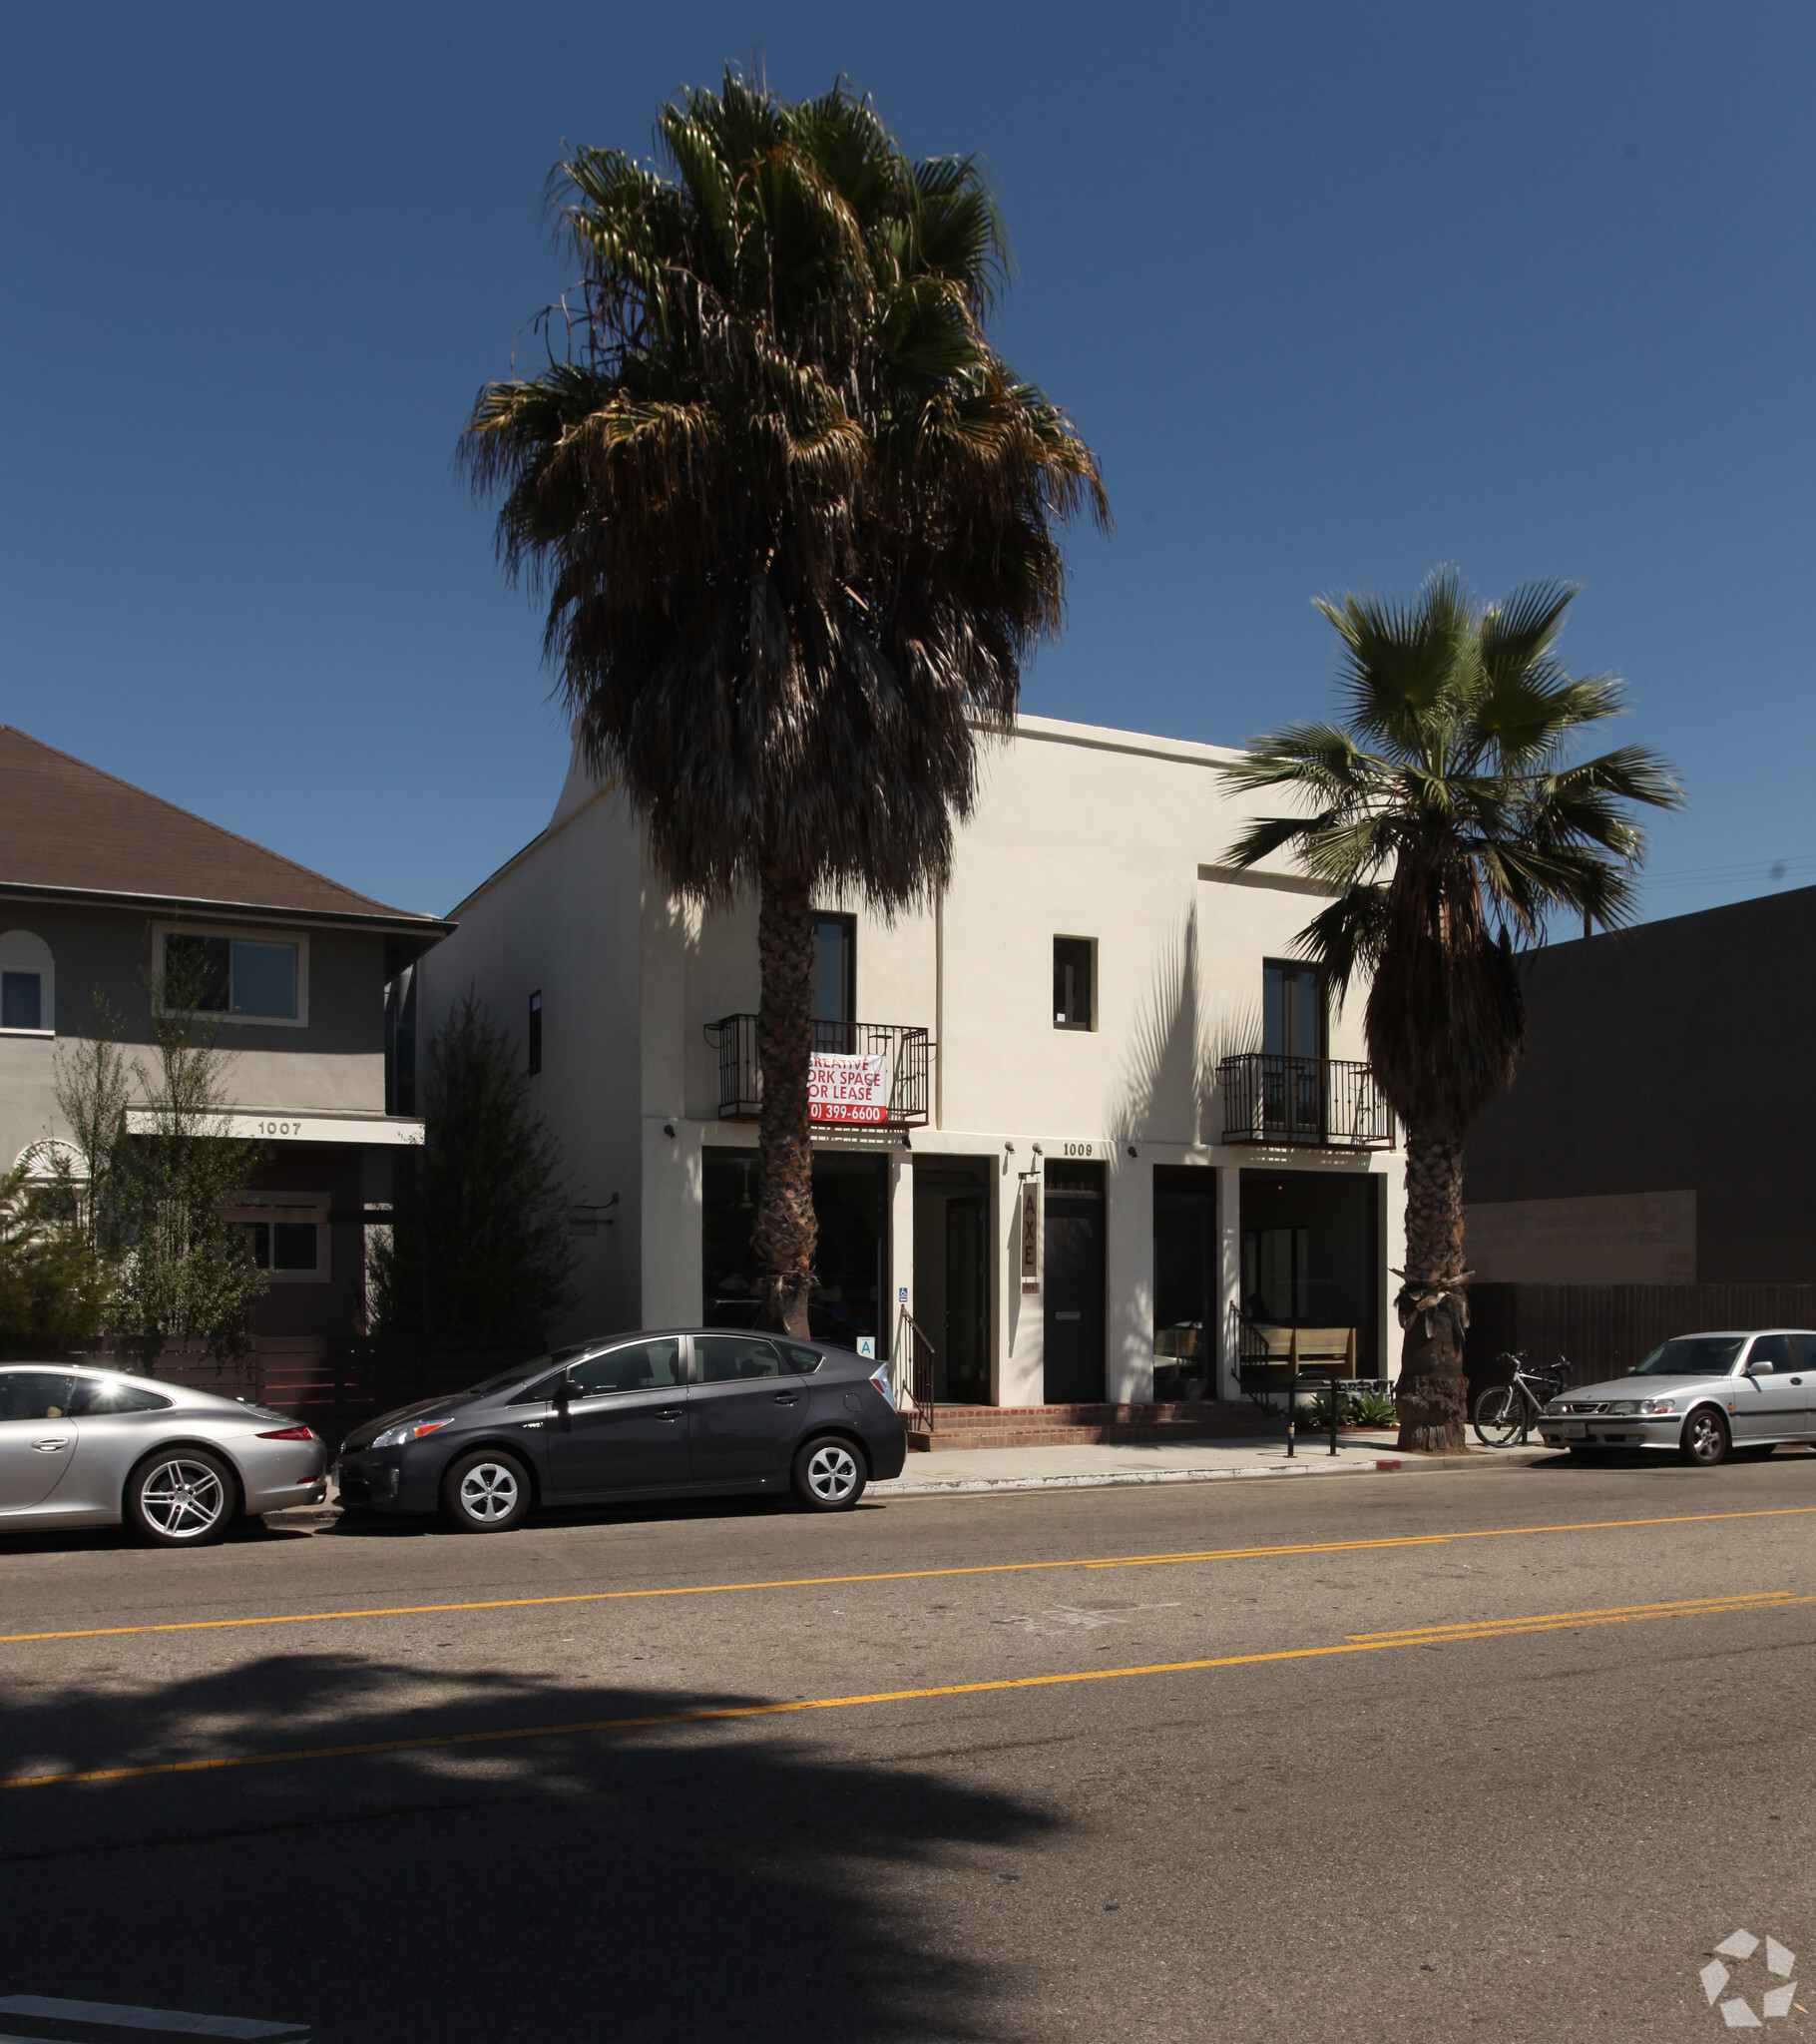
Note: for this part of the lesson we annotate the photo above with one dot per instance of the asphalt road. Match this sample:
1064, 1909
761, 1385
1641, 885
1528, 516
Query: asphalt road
1502, 1754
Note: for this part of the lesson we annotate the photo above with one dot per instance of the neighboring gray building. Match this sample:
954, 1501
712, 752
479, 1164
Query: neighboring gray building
1660, 1128
96, 879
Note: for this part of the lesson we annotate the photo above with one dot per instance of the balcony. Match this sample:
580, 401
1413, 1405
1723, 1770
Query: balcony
864, 1074
1303, 1103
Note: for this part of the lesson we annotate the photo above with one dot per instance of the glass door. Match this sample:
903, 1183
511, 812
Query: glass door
1292, 1047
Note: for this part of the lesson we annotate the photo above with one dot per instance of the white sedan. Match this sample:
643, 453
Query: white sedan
1703, 1396
81, 1446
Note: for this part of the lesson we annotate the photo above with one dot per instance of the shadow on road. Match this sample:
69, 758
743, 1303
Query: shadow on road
688, 1883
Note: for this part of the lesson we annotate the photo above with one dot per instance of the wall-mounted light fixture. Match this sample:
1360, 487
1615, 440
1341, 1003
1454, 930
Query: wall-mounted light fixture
1131, 1149
587, 1217
668, 1128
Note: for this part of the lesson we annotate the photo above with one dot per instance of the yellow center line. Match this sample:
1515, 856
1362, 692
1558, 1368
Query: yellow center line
1170, 1558
1476, 1628
1506, 1629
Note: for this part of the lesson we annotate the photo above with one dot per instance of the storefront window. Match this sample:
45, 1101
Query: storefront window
850, 1203
1184, 1278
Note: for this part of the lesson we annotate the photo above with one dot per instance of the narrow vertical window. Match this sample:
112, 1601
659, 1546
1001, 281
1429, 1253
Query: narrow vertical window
834, 974
536, 1032
1074, 994
21, 1000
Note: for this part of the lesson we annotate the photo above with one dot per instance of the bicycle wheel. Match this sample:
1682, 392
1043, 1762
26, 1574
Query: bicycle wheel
1497, 1416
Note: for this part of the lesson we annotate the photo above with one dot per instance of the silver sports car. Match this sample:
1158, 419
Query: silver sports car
1705, 1395
90, 1447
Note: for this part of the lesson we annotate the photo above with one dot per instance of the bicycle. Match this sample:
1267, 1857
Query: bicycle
1504, 1412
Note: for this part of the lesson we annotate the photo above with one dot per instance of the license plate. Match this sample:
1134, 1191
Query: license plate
1574, 1431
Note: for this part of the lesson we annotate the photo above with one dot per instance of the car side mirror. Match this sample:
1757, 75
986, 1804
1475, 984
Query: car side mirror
563, 1393
1760, 1369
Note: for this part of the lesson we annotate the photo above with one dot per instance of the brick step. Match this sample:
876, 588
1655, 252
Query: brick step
961, 1418
1057, 1426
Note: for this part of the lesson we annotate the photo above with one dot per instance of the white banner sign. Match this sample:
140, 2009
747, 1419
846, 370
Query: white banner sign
842, 1089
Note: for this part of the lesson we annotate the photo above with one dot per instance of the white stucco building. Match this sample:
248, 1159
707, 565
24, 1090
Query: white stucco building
1119, 1114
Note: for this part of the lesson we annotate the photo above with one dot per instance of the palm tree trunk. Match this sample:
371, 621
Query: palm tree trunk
783, 1240
1433, 1304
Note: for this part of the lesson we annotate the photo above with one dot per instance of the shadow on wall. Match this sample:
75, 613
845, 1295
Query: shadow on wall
689, 1883
1169, 1088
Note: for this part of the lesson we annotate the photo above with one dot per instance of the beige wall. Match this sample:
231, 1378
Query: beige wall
1608, 1239
1079, 832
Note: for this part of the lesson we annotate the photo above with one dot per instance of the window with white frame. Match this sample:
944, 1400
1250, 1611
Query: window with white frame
251, 979
27, 990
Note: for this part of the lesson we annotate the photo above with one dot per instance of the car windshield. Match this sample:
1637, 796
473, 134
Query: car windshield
1693, 1356
521, 1372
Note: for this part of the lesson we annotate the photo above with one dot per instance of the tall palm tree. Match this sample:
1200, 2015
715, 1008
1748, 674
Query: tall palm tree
796, 521
1449, 821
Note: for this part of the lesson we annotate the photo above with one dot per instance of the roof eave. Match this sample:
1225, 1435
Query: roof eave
409, 936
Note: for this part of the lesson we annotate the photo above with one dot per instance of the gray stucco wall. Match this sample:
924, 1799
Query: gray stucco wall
333, 1064
1674, 1058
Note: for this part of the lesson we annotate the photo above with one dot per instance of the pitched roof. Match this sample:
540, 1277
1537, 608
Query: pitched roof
66, 826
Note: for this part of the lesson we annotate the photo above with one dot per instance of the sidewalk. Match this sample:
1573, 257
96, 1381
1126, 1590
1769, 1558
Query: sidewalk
951, 1472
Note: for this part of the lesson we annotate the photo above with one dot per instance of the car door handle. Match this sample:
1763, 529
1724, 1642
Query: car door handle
670, 1412
784, 1397
54, 1443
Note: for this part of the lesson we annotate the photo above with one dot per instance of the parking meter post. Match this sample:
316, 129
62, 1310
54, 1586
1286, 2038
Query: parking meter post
1292, 1390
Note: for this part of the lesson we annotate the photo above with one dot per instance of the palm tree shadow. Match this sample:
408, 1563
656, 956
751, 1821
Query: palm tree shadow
1169, 1086
723, 1880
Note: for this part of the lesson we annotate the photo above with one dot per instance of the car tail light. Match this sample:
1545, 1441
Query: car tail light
880, 1379
289, 1433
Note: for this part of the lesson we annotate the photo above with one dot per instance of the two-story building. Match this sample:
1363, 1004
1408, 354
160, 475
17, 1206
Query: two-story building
1080, 1117
98, 879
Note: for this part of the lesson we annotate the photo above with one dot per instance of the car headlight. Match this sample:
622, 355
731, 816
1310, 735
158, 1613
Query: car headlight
1555, 1406
1625, 1406
411, 1430
1657, 1404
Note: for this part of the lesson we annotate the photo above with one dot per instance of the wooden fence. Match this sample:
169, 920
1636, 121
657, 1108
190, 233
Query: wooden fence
1604, 1330
333, 1383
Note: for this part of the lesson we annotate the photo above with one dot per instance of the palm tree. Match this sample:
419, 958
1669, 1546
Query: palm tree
1449, 822
795, 523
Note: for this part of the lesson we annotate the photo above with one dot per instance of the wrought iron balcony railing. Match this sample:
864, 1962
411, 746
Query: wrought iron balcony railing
1306, 1103
864, 1075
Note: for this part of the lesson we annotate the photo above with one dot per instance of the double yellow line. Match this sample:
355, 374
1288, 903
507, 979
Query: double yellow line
1358, 1642
1172, 1558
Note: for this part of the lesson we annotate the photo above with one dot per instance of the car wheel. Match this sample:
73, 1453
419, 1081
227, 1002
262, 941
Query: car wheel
180, 1497
829, 1475
487, 1491
1705, 1440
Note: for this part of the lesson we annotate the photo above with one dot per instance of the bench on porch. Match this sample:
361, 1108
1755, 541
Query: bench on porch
1270, 1358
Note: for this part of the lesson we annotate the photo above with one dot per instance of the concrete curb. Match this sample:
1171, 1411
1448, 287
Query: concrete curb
1110, 1480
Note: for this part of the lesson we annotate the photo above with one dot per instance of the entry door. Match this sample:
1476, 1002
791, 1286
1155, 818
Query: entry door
1770, 1404
967, 1304
1073, 1287
744, 1410
37, 1439
625, 1428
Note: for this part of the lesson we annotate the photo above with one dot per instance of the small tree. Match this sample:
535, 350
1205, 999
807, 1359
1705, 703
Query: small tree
91, 1086
187, 1270
53, 1291
480, 1243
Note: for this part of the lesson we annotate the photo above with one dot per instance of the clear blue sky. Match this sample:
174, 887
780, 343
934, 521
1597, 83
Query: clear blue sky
1336, 293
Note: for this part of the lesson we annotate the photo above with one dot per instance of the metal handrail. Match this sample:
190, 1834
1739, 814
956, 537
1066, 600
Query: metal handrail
1314, 1103
915, 1358
907, 1049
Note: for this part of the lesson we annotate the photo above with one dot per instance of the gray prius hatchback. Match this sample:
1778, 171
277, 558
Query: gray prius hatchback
670, 1414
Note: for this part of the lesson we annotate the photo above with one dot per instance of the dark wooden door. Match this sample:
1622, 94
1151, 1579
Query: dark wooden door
967, 1302
1071, 1282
